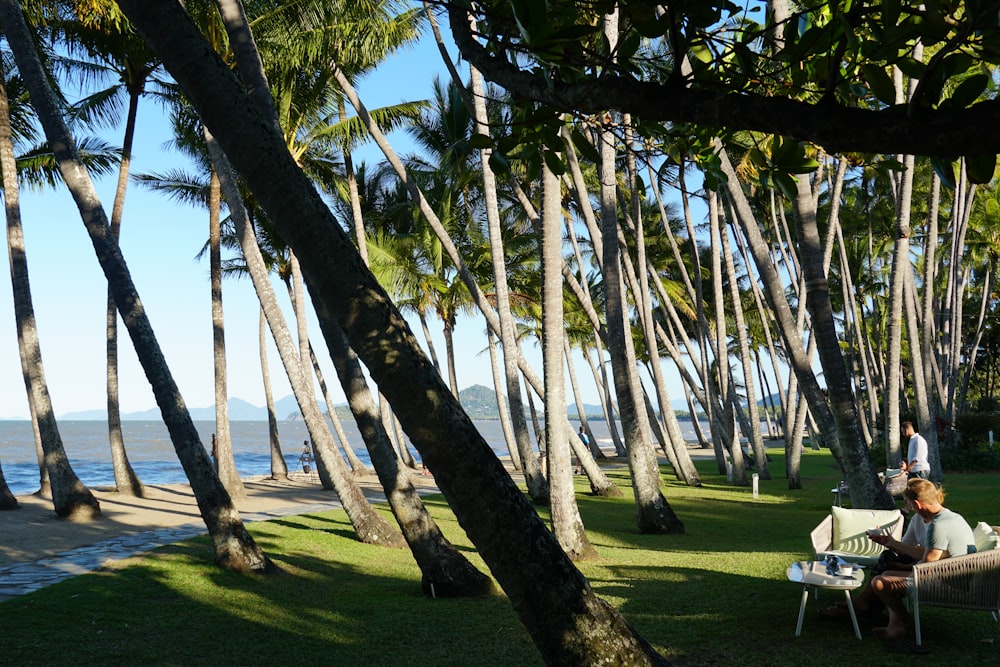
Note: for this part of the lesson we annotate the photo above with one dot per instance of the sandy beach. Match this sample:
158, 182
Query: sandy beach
34, 531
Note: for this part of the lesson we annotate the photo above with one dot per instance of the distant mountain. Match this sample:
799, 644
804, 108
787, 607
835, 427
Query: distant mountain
239, 410
479, 402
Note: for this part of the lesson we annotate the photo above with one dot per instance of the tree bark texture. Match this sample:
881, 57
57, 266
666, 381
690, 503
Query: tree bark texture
567, 622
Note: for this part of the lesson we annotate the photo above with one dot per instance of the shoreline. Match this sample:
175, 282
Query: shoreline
34, 531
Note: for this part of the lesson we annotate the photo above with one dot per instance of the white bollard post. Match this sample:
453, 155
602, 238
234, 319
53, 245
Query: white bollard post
756, 485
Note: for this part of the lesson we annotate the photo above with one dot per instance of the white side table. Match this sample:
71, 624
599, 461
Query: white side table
813, 574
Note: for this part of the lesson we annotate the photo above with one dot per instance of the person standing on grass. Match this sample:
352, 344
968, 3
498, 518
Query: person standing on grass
916, 464
577, 468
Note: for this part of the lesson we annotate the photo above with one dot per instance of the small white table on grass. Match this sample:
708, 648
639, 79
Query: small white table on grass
814, 574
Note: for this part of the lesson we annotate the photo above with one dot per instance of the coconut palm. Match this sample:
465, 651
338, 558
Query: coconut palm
100, 45
234, 547
72, 500
561, 613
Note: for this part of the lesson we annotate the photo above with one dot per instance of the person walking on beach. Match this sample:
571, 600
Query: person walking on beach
916, 464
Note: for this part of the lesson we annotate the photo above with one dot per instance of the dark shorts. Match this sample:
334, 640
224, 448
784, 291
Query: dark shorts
918, 474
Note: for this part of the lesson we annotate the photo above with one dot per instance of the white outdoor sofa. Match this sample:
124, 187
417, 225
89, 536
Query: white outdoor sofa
843, 534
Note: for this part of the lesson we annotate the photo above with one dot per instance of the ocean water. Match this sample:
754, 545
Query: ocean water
152, 455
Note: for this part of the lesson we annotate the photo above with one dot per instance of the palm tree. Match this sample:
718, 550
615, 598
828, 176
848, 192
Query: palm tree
202, 189
107, 47
234, 547
653, 512
72, 500
566, 522
7, 499
553, 599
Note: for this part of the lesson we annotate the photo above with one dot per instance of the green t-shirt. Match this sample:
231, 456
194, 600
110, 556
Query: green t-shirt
950, 532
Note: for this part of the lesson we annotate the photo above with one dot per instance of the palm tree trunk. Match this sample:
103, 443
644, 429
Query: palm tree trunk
127, 481
566, 522
752, 430
234, 547
225, 464
858, 466
538, 486
370, 527
505, 418
357, 465
445, 572
72, 500
279, 468
581, 410
7, 499
653, 512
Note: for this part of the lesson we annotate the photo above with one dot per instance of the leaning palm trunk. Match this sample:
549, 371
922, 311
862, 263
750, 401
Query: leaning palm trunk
72, 500
357, 465
445, 572
850, 452
234, 547
370, 527
858, 466
653, 512
7, 499
566, 620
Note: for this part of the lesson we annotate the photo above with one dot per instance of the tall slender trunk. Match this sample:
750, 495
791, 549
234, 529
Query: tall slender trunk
225, 464
71, 499
566, 522
368, 524
234, 547
126, 480
565, 619
752, 430
279, 468
653, 512
499, 385
537, 484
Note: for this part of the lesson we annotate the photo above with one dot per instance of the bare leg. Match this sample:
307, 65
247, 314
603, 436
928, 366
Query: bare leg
890, 588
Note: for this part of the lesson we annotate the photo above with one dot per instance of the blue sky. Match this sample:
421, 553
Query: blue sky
160, 240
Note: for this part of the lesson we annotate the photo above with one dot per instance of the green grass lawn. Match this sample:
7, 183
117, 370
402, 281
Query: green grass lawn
714, 596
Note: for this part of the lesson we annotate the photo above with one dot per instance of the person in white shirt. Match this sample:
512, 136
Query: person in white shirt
916, 463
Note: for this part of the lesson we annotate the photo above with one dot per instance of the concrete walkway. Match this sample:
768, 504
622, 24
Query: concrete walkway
22, 578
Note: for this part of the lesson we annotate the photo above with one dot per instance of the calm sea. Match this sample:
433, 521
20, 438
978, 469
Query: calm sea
152, 454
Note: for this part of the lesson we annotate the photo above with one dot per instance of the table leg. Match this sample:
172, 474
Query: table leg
802, 610
854, 617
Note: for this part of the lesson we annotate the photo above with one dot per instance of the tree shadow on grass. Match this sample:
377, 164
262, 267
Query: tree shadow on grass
179, 608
